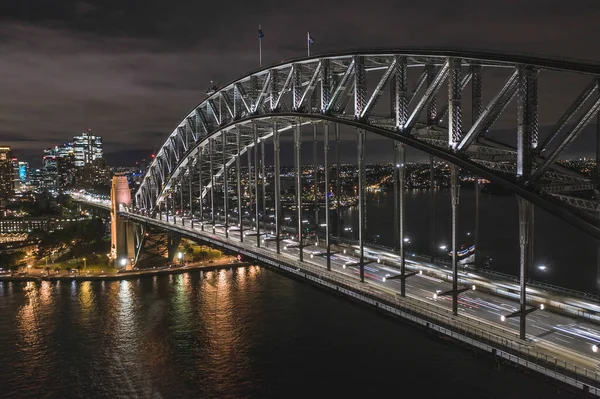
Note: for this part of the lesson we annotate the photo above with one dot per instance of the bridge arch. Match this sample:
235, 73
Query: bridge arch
320, 89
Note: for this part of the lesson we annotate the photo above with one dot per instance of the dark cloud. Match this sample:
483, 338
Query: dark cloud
130, 70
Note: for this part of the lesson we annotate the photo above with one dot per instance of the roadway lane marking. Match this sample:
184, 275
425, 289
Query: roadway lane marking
541, 328
562, 340
563, 335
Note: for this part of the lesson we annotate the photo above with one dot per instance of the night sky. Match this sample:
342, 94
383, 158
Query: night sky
131, 70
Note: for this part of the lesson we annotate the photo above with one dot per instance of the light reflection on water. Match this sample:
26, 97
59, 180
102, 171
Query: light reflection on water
244, 332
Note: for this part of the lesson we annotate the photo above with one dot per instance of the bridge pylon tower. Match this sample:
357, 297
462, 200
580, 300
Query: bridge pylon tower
122, 248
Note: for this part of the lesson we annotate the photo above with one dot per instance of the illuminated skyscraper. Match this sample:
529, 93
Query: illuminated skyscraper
7, 188
87, 148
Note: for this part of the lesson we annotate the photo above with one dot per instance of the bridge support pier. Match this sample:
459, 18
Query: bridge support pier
455, 195
121, 231
326, 190
276, 151
361, 201
297, 162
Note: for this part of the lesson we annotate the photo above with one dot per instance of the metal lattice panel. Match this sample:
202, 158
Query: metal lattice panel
339, 88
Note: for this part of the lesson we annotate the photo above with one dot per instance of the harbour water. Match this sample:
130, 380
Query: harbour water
569, 256
243, 333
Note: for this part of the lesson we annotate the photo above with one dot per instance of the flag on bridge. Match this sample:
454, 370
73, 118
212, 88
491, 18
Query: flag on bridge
260, 37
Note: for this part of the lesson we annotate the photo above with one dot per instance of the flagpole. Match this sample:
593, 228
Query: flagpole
308, 42
259, 46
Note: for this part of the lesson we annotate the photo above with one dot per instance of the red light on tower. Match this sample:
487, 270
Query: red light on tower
152, 155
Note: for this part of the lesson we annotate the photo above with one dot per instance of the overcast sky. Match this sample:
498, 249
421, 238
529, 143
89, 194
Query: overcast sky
131, 70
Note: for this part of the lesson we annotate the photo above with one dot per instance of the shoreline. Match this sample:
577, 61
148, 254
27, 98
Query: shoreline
126, 275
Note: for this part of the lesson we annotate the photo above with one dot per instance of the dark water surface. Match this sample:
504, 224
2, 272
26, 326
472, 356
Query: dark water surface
248, 333
569, 255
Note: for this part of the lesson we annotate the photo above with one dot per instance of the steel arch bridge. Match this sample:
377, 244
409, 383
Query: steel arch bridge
424, 112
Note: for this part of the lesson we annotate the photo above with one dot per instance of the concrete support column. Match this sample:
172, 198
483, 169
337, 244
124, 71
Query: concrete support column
361, 200
225, 186
455, 194
326, 190
277, 166
238, 164
298, 167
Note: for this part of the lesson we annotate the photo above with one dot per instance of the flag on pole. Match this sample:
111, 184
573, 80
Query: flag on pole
260, 32
310, 40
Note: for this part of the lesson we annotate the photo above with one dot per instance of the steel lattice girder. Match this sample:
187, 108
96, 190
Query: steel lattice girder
321, 88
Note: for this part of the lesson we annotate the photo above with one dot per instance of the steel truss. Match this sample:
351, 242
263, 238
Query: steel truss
348, 89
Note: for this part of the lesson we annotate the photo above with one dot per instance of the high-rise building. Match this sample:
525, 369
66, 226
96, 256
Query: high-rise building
87, 148
14, 164
23, 172
58, 167
6, 173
